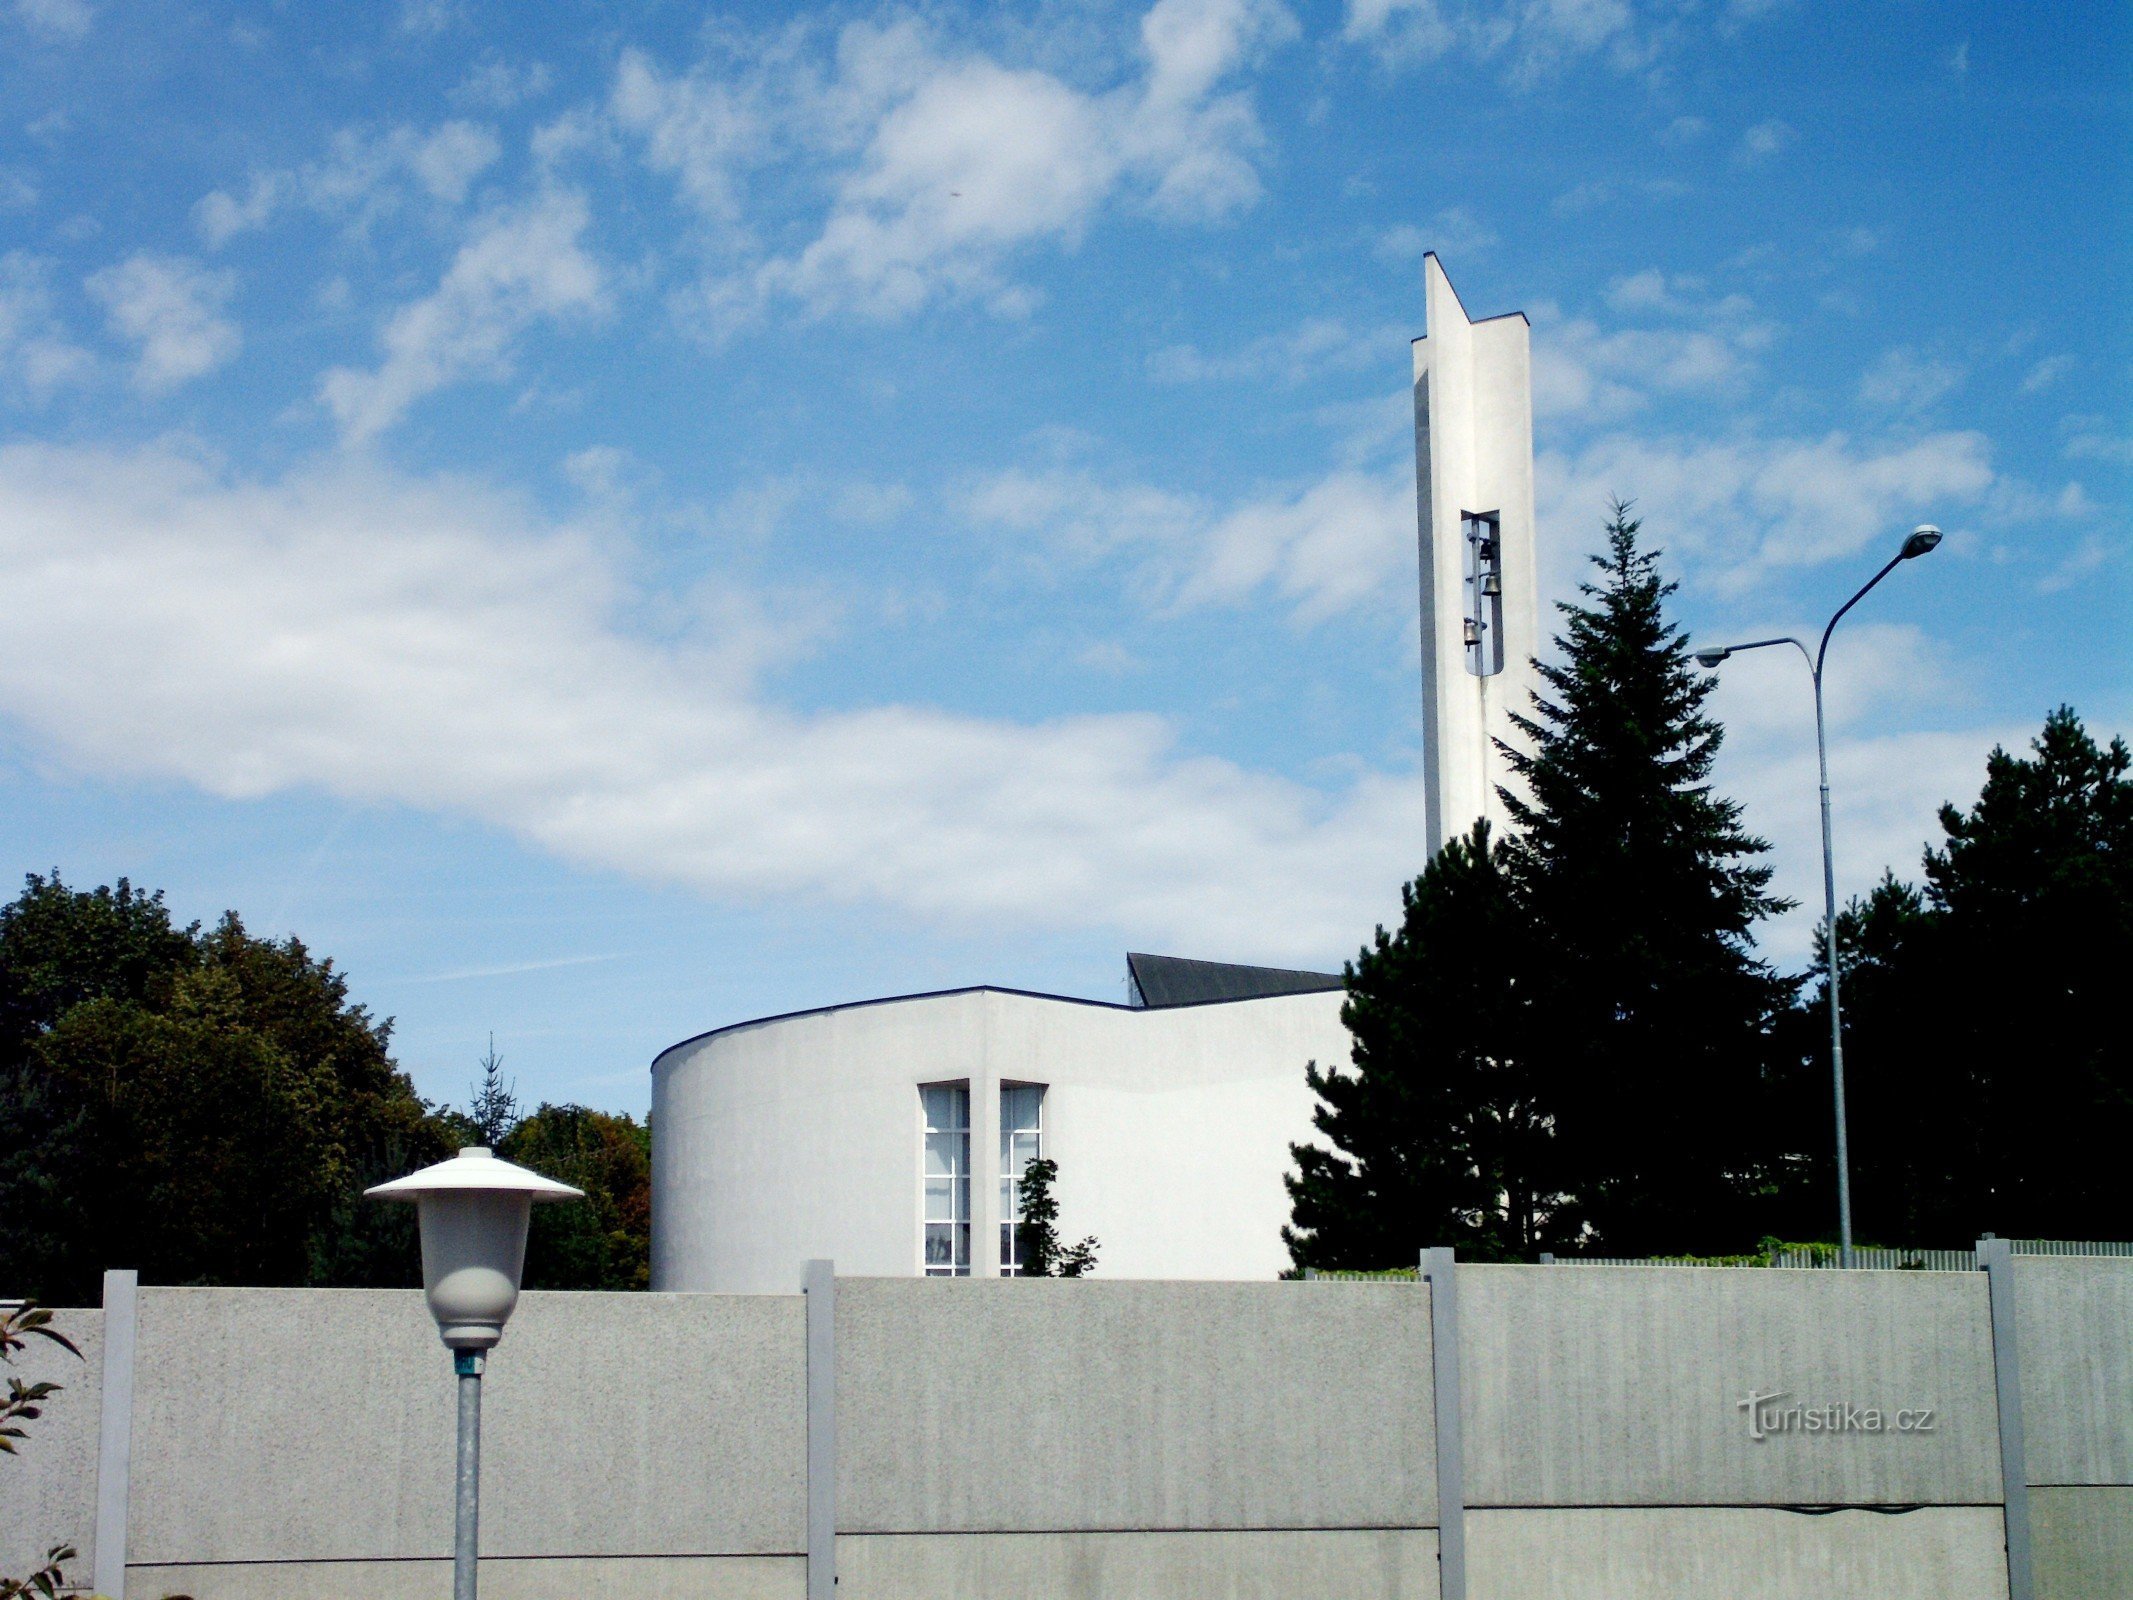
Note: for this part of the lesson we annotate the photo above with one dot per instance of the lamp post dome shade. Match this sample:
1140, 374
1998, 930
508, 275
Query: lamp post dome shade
473, 1211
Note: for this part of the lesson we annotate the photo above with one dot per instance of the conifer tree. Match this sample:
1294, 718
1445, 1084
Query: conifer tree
1653, 1044
1433, 1135
1990, 1089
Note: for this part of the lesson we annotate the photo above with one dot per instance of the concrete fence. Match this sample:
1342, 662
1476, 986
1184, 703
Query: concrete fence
1501, 1433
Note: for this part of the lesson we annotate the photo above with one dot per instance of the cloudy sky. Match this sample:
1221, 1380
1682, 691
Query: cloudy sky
611, 520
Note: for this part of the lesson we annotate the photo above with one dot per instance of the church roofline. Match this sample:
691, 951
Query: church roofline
944, 994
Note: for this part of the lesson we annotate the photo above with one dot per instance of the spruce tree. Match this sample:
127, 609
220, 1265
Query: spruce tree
1433, 1135
1984, 1041
1654, 1042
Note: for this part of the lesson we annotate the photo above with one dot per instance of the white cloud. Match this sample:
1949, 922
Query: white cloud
1885, 795
1596, 193
1585, 373
1313, 346
36, 356
414, 642
362, 178
1532, 39
1455, 232
1903, 380
698, 129
1400, 31
61, 19
944, 164
521, 263
450, 159
1343, 542
428, 16
220, 216
499, 85
2097, 439
172, 308
1765, 142
1740, 508
1886, 788
2046, 373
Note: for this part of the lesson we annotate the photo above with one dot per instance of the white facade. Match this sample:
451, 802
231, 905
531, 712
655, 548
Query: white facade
804, 1136
1473, 490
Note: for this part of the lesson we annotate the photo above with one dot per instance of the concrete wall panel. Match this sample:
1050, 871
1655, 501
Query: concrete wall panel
1347, 1565
541, 1578
1039, 1405
318, 1424
2082, 1542
48, 1486
1711, 1553
2074, 1325
1595, 1386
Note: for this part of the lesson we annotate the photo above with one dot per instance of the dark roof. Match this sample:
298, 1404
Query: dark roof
1160, 981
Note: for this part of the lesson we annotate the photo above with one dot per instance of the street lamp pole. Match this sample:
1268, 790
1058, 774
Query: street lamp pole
472, 1212
1922, 539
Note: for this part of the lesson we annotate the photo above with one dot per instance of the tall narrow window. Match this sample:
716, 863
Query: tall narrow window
947, 1176
1021, 1110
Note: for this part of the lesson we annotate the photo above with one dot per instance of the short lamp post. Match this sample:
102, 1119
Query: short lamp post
473, 1211
1922, 540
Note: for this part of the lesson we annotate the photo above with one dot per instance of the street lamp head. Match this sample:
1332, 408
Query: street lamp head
1711, 658
1923, 538
473, 1211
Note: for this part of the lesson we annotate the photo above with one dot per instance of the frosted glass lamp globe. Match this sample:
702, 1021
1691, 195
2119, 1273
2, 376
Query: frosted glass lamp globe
473, 1211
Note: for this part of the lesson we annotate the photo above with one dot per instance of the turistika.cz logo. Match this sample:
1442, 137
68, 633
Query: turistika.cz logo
1768, 1413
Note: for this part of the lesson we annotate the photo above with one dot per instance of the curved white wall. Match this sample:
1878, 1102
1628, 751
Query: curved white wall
778, 1141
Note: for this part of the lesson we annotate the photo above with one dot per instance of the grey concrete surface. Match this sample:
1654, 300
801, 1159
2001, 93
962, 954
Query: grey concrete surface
1723, 1553
1034, 1405
1623, 1386
317, 1424
540, 1578
1300, 1565
2074, 1327
2082, 1543
48, 1487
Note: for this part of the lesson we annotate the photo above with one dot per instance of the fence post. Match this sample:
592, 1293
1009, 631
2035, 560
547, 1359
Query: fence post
114, 1434
1437, 1270
1996, 1258
820, 1288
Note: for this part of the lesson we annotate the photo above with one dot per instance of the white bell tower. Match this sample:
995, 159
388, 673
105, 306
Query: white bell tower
1474, 507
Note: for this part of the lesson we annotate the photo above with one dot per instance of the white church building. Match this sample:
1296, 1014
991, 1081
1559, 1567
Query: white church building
888, 1135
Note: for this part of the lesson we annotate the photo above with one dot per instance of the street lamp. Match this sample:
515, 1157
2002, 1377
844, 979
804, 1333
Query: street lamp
473, 1211
1922, 540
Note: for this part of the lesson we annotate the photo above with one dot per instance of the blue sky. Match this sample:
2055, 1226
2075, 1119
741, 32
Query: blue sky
614, 520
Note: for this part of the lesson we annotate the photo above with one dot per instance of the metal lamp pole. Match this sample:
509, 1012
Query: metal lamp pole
1924, 538
466, 1511
473, 1212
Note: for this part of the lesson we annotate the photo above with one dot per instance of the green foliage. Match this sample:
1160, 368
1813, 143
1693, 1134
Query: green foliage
1988, 1081
605, 1240
24, 1402
1660, 1033
1043, 1256
1569, 1038
1435, 1135
204, 1105
493, 1111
